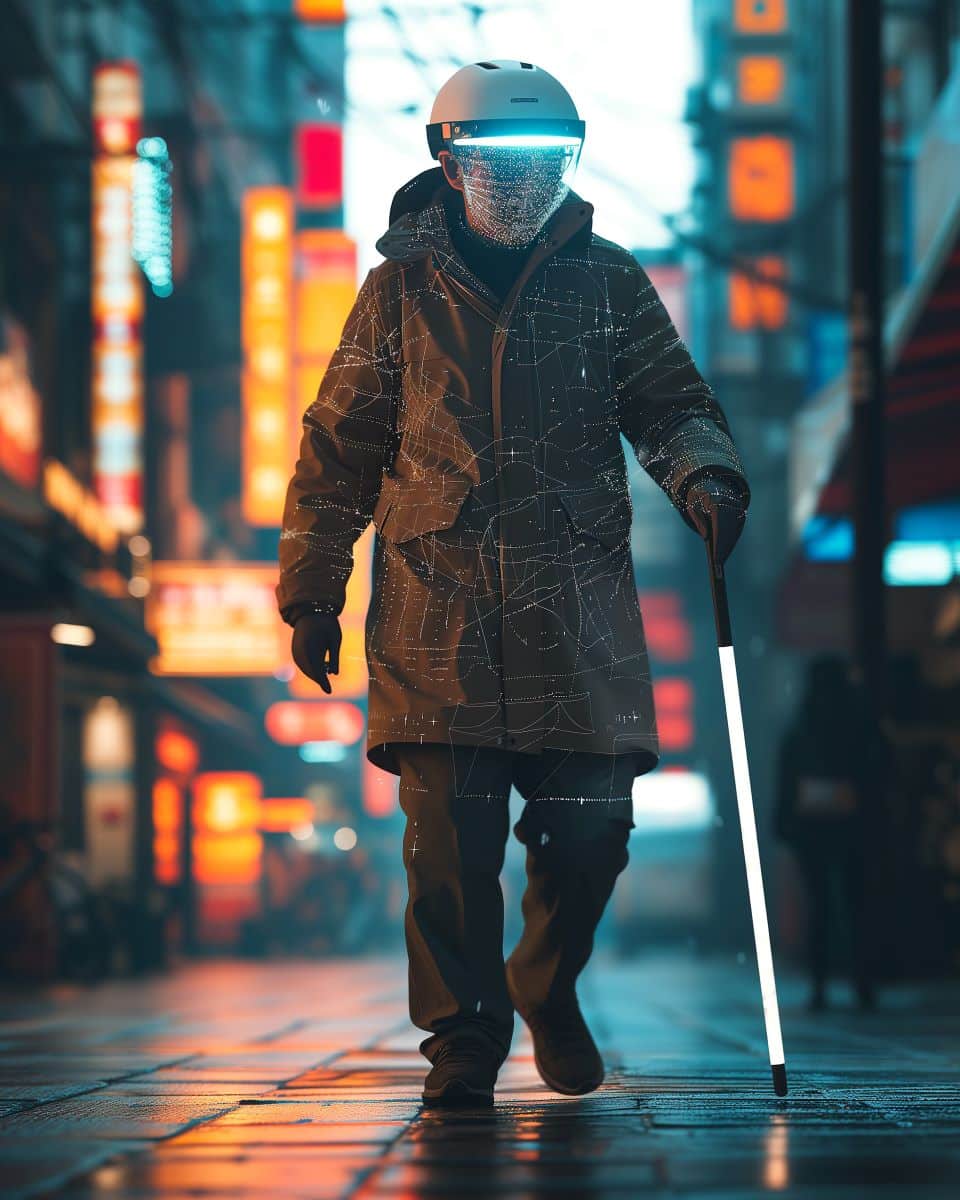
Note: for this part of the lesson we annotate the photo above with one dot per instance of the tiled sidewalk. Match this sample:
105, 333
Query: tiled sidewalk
303, 1080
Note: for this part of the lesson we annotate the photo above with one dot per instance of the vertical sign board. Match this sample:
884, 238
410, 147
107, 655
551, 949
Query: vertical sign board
319, 165
227, 851
267, 270
117, 297
21, 410
325, 291
760, 166
109, 801
754, 303
326, 287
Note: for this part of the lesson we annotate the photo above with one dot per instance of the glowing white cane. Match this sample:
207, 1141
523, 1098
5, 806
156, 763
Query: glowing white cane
748, 824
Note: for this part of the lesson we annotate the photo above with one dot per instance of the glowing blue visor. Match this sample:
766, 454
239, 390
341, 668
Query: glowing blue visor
530, 134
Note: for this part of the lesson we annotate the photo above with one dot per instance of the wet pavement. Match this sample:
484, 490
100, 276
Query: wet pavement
303, 1080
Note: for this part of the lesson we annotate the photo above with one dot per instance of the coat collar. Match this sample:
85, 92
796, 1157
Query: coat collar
418, 224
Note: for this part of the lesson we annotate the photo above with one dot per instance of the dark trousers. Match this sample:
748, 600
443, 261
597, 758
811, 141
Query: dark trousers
575, 825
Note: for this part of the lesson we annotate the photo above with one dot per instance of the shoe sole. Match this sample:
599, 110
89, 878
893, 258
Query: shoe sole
457, 1094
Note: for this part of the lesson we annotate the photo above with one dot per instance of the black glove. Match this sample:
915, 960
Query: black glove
316, 635
717, 507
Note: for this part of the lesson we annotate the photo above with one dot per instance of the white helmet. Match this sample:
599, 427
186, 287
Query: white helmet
506, 103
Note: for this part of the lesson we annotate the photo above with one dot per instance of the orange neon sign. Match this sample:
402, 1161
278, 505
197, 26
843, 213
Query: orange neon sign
283, 814
226, 811
267, 316
226, 801
167, 831
216, 618
761, 79
325, 291
117, 416
293, 722
320, 10
176, 751
760, 178
758, 305
229, 859
760, 16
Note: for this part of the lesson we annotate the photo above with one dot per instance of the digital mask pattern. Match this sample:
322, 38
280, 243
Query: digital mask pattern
510, 193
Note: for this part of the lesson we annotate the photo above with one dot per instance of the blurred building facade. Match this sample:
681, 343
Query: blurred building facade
168, 779
772, 114
141, 649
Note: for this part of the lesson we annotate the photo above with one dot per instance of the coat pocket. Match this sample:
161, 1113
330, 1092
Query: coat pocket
414, 516
601, 514
408, 508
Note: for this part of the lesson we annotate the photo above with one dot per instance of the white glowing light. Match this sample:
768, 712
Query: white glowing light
918, 564
520, 139
345, 838
152, 240
751, 854
302, 833
65, 634
671, 801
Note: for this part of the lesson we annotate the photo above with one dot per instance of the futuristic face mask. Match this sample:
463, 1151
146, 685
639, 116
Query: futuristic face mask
512, 186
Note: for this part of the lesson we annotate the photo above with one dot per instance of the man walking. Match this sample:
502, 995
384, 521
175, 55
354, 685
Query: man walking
473, 410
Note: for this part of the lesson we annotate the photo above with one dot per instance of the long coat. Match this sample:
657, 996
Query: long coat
483, 440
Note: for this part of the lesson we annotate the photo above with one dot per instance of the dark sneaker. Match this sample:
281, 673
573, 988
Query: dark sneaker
564, 1050
463, 1074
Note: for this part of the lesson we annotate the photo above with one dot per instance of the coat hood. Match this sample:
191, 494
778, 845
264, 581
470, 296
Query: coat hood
418, 219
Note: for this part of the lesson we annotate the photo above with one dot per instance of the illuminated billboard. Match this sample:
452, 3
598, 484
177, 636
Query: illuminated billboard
760, 16
755, 304
319, 165
267, 276
294, 722
760, 181
216, 618
117, 299
21, 415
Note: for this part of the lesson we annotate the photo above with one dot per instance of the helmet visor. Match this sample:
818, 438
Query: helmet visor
548, 148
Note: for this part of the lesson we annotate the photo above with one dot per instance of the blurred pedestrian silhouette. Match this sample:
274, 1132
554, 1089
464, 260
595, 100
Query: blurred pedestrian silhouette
830, 798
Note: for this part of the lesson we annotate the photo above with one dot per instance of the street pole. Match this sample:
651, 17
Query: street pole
867, 367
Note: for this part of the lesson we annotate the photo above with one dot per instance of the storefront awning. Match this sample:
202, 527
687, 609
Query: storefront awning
922, 406
922, 353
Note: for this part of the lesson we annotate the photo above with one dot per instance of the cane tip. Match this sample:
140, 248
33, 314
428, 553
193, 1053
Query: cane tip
779, 1078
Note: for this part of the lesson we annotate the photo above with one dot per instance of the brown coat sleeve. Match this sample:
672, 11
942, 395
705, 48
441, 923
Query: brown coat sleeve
336, 482
667, 410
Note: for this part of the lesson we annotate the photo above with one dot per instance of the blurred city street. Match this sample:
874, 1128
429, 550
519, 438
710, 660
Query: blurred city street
373, 378
303, 1080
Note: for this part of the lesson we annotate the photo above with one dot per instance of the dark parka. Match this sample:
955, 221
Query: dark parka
504, 607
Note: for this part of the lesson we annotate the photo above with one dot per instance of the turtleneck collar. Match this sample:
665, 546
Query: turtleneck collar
497, 266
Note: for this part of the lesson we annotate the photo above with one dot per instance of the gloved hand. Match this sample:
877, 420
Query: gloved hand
717, 508
315, 635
